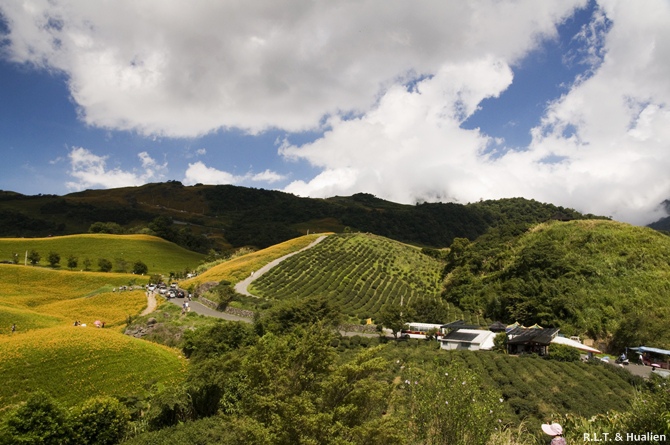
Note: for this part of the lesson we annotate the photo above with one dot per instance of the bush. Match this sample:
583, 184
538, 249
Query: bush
40, 421
564, 353
139, 268
100, 421
104, 265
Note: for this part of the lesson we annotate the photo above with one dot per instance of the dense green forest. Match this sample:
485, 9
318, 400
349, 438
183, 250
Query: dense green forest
602, 279
223, 217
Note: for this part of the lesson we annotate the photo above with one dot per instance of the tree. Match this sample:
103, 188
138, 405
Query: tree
108, 227
53, 258
121, 265
38, 421
100, 421
500, 343
295, 313
87, 263
394, 317
34, 257
139, 268
429, 310
72, 262
104, 264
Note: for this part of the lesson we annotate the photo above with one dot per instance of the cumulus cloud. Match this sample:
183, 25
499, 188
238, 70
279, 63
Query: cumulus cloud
389, 84
601, 148
91, 171
160, 68
198, 172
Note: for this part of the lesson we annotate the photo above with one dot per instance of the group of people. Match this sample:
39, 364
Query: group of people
98, 324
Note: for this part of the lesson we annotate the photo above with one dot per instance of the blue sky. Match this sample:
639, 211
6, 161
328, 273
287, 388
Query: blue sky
562, 101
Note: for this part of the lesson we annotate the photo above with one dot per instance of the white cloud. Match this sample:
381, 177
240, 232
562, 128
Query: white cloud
601, 148
388, 81
90, 171
161, 67
198, 172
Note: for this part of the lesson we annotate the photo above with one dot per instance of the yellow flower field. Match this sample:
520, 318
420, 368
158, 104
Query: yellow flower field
239, 268
26, 286
111, 307
75, 363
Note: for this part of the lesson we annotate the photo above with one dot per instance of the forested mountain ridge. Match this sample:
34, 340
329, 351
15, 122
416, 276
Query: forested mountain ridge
200, 217
603, 279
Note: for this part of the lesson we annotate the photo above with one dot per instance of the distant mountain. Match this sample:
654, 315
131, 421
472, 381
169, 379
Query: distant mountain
228, 216
663, 223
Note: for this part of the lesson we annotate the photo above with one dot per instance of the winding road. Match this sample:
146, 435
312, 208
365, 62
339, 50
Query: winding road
240, 287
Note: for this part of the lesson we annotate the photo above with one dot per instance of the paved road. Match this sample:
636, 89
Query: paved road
201, 309
241, 287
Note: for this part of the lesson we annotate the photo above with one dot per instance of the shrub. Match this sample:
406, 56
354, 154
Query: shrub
564, 353
139, 268
100, 421
39, 421
104, 265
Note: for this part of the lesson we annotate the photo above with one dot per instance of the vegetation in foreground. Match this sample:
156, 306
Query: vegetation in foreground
288, 379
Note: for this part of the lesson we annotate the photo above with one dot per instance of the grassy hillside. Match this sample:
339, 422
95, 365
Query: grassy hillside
75, 363
229, 216
159, 255
34, 286
605, 279
239, 267
360, 273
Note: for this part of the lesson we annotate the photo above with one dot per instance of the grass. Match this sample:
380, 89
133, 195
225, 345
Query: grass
237, 269
159, 255
111, 307
75, 363
33, 287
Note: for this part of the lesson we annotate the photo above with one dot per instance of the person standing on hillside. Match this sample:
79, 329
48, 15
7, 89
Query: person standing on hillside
555, 430
13, 328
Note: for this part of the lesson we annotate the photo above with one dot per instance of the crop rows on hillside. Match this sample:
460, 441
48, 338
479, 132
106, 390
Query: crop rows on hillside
536, 388
359, 273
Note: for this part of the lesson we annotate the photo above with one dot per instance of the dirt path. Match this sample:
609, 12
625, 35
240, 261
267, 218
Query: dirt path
241, 287
151, 304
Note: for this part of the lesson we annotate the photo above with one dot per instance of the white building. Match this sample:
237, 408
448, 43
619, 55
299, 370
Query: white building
470, 339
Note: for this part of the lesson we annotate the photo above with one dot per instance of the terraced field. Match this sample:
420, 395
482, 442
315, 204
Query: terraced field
360, 273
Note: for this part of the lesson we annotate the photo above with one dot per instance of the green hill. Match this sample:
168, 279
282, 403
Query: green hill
603, 279
226, 216
360, 273
159, 255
